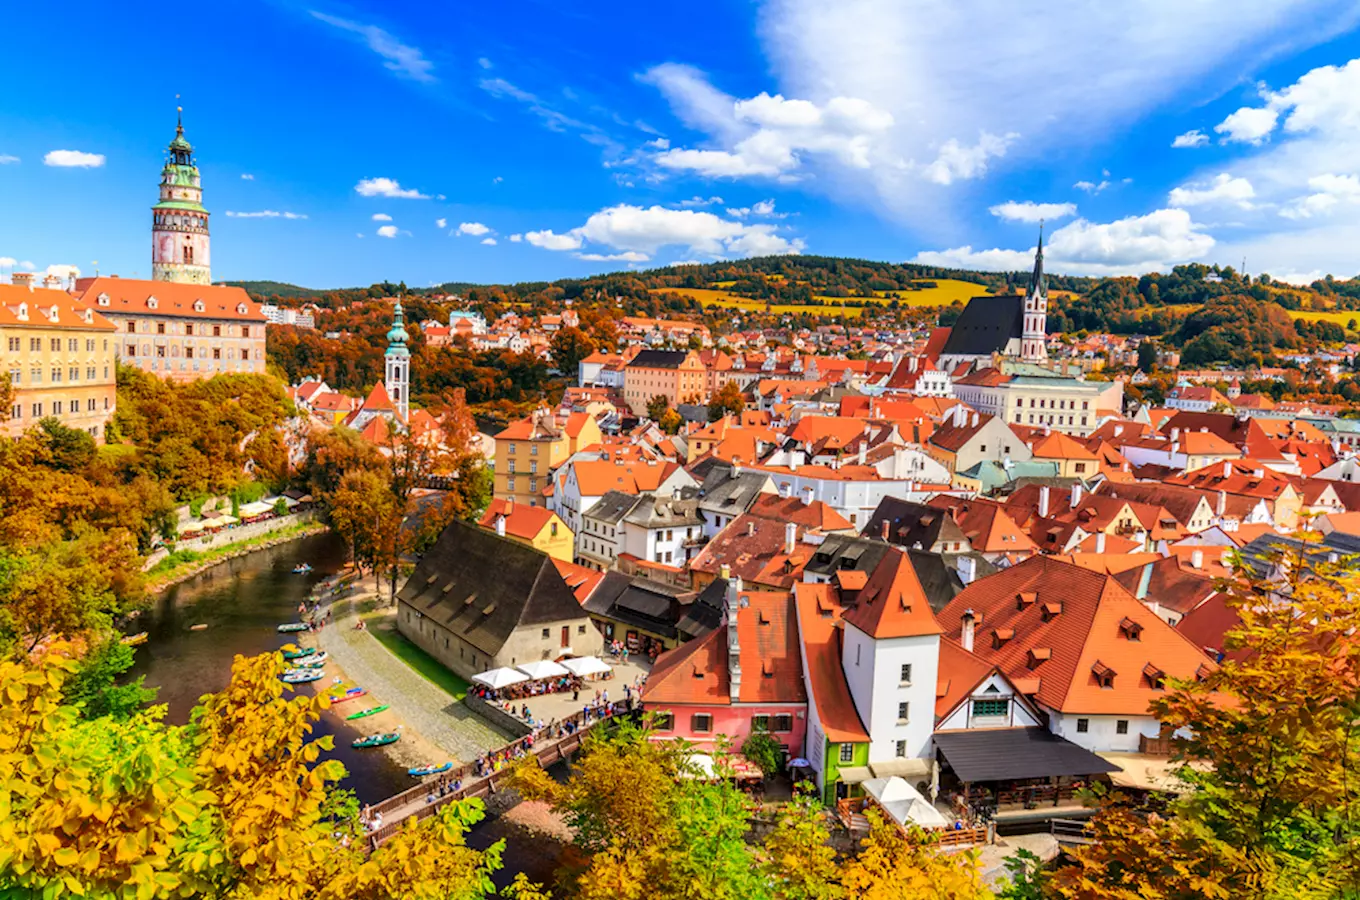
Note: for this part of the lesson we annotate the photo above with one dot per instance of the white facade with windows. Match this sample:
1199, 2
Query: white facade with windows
892, 682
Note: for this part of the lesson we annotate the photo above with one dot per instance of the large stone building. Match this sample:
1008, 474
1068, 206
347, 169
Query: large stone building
677, 375
179, 325
60, 359
1011, 325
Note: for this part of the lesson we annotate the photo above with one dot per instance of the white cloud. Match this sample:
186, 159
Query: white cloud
552, 118
659, 144
246, 176
8, 262
1223, 188
1248, 125
627, 256
957, 161
387, 187
1132, 245
1329, 192
685, 262
387, 231
6, 159
490, 242
265, 214
497, 180
693, 202
403, 59
1064, 80
73, 159
768, 136
483, 62
1193, 138
441, 223
516, 238
476, 229
1092, 187
381, 217
63, 272
550, 240
1029, 211
644, 231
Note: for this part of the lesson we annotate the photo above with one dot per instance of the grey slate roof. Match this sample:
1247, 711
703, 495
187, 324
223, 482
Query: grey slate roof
482, 587
705, 612
986, 325
839, 552
1003, 754
727, 494
637, 602
658, 359
663, 512
612, 507
910, 524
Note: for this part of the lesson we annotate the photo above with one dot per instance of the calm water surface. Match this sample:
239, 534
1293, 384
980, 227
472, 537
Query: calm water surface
242, 601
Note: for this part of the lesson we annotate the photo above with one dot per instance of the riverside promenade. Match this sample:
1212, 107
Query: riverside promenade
427, 709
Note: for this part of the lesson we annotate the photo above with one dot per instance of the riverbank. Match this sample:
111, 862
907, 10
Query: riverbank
435, 720
186, 563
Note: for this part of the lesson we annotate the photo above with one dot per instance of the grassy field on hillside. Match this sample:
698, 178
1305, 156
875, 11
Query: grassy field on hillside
1342, 317
945, 293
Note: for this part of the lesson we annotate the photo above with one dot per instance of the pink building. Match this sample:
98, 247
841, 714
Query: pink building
744, 675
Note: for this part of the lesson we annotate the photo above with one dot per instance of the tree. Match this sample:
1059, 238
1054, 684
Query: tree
366, 515
670, 421
799, 860
1274, 814
727, 401
657, 407
1147, 356
892, 865
568, 347
762, 749
93, 687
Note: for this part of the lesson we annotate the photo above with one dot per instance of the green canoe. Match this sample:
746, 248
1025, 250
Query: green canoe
376, 740
292, 626
366, 712
299, 653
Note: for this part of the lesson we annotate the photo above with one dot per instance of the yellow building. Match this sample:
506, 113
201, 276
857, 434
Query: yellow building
532, 526
60, 356
529, 450
1069, 454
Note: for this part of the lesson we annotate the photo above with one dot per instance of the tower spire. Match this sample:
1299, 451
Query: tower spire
1033, 339
397, 364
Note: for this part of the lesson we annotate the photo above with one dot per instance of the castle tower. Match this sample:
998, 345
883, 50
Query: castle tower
179, 223
1033, 337
397, 365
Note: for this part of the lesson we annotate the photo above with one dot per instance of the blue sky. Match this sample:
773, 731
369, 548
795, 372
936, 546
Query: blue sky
347, 142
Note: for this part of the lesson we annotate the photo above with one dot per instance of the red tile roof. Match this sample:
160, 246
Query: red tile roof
818, 614
131, 297
892, 603
40, 302
521, 520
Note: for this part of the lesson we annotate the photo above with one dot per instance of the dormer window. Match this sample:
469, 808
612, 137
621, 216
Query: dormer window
23, 311
1156, 678
1103, 675
1052, 610
1024, 599
198, 306
1038, 656
1203, 672
152, 303
1000, 636
241, 308
1130, 629
103, 300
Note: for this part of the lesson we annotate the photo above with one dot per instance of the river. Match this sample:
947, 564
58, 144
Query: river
242, 601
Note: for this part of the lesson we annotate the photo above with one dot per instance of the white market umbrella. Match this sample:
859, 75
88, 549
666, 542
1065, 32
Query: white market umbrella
499, 678
585, 666
543, 668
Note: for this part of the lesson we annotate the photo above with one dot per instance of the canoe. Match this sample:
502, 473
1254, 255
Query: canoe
351, 694
309, 663
135, 640
304, 677
199, 627
292, 626
422, 771
367, 712
315, 658
301, 569
298, 653
376, 740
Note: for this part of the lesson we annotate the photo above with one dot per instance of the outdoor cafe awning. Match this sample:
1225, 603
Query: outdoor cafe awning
499, 678
855, 774
901, 768
543, 668
1147, 773
1007, 754
585, 666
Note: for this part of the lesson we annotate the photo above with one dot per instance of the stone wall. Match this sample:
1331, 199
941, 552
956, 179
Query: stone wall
234, 535
497, 716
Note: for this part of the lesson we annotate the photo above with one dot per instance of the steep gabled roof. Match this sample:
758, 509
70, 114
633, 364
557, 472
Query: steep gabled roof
986, 325
818, 614
892, 604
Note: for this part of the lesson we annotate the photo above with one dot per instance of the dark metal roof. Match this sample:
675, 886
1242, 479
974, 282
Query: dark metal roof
705, 613
658, 359
611, 507
1005, 754
840, 551
910, 524
482, 587
938, 579
986, 325
637, 602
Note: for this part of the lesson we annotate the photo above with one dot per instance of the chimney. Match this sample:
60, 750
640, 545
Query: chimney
807, 495
1043, 502
500, 526
22, 279
1100, 542
1197, 559
1175, 435
1076, 495
975, 420
509, 505
733, 643
912, 364
1222, 504
783, 490
750, 529
795, 458
967, 570
1227, 468
790, 538
886, 525
966, 636
863, 449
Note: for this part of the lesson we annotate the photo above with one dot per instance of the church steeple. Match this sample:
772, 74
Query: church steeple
1033, 338
179, 223
397, 364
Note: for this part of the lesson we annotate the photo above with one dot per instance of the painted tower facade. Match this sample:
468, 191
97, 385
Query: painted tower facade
179, 223
397, 365
1034, 337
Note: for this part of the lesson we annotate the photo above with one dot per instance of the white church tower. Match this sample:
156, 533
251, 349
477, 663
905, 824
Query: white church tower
1034, 337
397, 365
179, 222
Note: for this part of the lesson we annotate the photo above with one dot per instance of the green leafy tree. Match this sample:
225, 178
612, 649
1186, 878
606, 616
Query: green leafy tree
93, 686
762, 749
657, 407
568, 347
727, 401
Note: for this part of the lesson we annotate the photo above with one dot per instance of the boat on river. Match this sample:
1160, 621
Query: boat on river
302, 676
201, 626
422, 771
135, 640
376, 740
311, 660
290, 627
352, 694
367, 712
302, 568
298, 652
